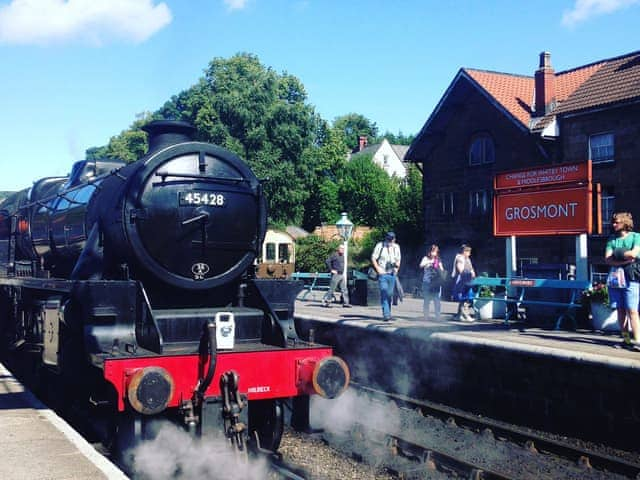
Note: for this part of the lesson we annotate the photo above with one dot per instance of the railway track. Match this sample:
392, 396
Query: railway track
433, 440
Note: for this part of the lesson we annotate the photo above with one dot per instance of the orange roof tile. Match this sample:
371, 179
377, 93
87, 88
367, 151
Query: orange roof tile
513, 92
516, 92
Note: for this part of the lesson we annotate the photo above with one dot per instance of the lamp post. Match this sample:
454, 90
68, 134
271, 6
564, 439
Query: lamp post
345, 227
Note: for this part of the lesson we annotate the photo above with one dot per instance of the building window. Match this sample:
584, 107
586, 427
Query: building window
478, 202
284, 255
270, 255
445, 201
601, 148
481, 150
608, 209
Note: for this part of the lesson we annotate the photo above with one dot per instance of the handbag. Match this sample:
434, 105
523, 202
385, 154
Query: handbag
616, 278
632, 272
372, 274
444, 276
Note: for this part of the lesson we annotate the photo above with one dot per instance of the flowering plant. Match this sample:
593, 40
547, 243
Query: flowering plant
597, 293
486, 291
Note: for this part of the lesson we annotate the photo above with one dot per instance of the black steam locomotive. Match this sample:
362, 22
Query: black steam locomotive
127, 292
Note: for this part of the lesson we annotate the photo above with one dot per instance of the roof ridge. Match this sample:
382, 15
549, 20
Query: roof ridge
597, 62
497, 73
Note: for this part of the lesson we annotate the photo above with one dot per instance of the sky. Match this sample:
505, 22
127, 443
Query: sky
74, 73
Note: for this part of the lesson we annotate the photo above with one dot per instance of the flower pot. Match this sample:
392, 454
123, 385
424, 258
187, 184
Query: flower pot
604, 318
488, 308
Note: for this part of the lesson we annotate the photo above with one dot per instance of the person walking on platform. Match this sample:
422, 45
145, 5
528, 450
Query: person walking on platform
462, 274
335, 264
386, 259
623, 251
431, 281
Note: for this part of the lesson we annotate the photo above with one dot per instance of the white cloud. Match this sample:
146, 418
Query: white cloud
235, 4
42, 22
585, 9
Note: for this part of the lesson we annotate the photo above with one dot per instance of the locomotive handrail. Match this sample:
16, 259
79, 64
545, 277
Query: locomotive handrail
164, 174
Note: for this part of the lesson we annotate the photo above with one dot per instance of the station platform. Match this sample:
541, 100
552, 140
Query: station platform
579, 383
581, 344
36, 444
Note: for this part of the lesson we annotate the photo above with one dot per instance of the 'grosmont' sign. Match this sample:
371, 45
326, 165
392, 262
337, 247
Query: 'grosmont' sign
560, 203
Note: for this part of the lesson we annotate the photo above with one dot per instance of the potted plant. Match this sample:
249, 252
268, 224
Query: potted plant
604, 316
486, 306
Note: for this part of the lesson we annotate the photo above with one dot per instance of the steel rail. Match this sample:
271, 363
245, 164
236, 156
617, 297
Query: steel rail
530, 440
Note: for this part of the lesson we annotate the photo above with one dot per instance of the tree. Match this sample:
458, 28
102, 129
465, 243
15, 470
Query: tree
312, 253
264, 118
352, 126
368, 193
129, 145
411, 225
399, 139
326, 162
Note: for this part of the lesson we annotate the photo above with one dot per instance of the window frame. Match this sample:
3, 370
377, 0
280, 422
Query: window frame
479, 202
608, 199
602, 159
483, 139
446, 204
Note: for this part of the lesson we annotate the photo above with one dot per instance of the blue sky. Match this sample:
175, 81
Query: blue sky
73, 73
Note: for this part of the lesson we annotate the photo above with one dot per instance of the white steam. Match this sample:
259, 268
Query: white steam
176, 455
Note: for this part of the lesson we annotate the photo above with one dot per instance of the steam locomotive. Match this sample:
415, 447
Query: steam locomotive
127, 291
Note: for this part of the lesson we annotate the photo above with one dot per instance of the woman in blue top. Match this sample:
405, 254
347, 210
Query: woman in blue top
622, 250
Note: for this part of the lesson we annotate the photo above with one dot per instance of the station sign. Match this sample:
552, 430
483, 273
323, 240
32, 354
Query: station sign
568, 173
559, 211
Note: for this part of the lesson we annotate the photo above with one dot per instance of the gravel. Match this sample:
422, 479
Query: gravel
324, 462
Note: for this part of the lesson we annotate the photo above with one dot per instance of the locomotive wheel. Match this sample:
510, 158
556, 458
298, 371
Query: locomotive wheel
266, 418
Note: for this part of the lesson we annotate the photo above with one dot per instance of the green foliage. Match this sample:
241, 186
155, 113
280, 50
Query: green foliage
368, 193
399, 139
312, 253
597, 293
352, 126
362, 255
410, 214
485, 291
129, 145
266, 119
326, 163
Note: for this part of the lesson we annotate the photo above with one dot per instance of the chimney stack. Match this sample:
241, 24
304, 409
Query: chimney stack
545, 85
362, 139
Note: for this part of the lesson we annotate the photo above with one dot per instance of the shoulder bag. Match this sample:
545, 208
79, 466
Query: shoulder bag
372, 274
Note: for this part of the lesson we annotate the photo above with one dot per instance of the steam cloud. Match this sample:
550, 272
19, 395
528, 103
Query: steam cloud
176, 455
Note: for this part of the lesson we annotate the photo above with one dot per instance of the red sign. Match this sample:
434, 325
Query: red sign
544, 176
547, 212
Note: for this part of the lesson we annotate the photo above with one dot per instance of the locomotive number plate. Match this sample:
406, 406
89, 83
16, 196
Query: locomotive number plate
197, 197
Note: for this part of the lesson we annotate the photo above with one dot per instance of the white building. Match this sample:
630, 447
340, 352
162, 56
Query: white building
387, 156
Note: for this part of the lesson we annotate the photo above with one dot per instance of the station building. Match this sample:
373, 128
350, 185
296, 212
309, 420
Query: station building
489, 122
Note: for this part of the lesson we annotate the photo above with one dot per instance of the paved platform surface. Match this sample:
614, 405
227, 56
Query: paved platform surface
583, 345
36, 444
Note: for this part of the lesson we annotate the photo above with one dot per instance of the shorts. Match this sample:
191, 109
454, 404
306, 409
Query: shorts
628, 297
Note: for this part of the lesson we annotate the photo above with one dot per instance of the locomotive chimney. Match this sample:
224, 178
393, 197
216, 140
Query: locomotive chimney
163, 133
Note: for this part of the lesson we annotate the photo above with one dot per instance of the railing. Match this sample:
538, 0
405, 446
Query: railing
312, 282
523, 285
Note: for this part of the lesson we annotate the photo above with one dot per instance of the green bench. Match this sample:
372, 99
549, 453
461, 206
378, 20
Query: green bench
521, 286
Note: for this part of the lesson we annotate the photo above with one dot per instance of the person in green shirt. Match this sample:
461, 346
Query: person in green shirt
623, 250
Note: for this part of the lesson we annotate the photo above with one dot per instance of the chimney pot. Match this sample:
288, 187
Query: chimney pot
545, 86
362, 142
